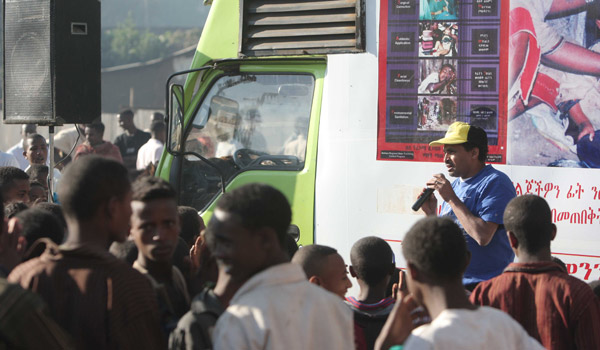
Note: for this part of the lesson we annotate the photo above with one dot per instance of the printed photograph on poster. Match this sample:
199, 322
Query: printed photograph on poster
554, 113
437, 76
438, 39
438, 10
436, 112
437, 65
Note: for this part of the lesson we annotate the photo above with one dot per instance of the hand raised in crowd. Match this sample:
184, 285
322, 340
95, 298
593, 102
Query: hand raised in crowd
406, 316
12, 244
419, 314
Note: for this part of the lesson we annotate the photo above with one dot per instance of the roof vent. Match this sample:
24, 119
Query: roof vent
288, 27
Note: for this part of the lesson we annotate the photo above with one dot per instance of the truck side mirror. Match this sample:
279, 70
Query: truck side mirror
174, 116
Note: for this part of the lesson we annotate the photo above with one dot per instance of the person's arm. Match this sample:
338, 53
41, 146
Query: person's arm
518, 44
480, 230
399, 324
434, 87
574, 58
582, 121
561, 7
157, 154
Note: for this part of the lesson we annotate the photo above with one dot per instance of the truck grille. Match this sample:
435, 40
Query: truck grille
287, 27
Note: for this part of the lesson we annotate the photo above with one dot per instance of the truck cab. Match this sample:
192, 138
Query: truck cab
249, 108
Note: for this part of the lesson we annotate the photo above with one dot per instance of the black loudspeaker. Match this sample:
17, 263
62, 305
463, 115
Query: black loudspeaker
51, 61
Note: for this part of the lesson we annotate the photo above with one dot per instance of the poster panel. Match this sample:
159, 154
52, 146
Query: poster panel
554, 94
539, 101
440, 61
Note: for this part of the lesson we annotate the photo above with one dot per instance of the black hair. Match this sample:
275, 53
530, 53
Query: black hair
38, 223
157, 125
35, 169
157, 116
477, 137
126, 251
29, 129
148, 188
36, 183
90, 183
449, 66
436, 246
312, 258
1, 211
32, 137
372, 259
54, 209
99, 127
529, 218
290, 246
126, 113
190, 224
259, 205
12, 209
8, 175
595, 285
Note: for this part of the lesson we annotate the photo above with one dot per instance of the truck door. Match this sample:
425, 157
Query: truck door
256, 122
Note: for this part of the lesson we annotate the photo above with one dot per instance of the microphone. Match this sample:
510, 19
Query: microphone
422, 199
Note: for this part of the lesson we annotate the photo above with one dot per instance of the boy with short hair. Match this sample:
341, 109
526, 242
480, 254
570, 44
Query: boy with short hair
98, 299
14, 185
246, 234
155, 231
324, 267
372, 265
39, 173
35, 150
558, 310
95, 144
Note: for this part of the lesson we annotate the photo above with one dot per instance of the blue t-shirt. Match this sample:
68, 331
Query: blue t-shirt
486, 196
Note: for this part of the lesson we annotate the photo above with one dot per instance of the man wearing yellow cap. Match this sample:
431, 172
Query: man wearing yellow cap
475, 200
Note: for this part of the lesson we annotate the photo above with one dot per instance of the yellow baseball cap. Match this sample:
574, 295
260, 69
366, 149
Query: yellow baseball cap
461, 132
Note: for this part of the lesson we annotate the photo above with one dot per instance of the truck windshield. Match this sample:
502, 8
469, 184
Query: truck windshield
246, 122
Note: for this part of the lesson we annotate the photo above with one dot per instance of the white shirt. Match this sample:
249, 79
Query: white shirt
484, 328
150, 152
547, 37
7, 159
296, 147
66, 138
431, 78
17, 152
279, 309
227, 148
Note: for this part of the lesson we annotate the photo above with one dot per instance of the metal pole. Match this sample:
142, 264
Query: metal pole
51, 167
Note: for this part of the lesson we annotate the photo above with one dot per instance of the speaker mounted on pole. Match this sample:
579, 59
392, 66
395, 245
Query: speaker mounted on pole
51, 61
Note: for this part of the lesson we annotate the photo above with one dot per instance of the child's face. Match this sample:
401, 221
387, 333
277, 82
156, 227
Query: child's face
42, 178
37, 194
